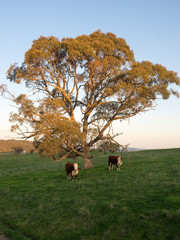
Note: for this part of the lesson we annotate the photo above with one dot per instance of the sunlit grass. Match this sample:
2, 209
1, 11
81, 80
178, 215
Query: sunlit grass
141, 201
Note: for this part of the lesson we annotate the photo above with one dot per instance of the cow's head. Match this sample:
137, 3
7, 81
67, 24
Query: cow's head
76, 169
120, 161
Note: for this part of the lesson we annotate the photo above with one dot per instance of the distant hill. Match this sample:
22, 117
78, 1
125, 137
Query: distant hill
8, 145
135, 149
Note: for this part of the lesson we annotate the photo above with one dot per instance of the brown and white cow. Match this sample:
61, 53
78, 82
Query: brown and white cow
72, 169
115, 160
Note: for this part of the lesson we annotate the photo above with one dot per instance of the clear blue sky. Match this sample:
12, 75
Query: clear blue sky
151, 28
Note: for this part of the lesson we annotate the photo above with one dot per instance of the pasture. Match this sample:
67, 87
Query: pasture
139, 202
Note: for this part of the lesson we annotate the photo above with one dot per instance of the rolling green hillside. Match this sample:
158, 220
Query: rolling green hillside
139, 202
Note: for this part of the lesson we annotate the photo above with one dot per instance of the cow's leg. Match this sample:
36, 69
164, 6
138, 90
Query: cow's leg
72, 176
111, 166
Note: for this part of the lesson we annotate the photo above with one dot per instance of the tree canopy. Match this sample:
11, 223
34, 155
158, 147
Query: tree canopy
83, 84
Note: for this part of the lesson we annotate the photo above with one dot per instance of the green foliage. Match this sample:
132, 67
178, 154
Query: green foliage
139, 202
18, 149
108, 146
57, 136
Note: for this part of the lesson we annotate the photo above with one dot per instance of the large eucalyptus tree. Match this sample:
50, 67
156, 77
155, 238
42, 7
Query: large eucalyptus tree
83, 84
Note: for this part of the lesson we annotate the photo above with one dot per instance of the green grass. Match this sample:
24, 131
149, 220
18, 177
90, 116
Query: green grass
141, 201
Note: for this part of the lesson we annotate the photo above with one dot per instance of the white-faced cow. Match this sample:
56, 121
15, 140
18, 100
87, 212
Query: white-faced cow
72, 169
115, 160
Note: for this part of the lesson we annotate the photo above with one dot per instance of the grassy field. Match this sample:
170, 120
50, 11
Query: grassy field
141, 201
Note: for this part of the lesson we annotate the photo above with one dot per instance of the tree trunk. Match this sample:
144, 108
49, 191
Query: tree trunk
87, 163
